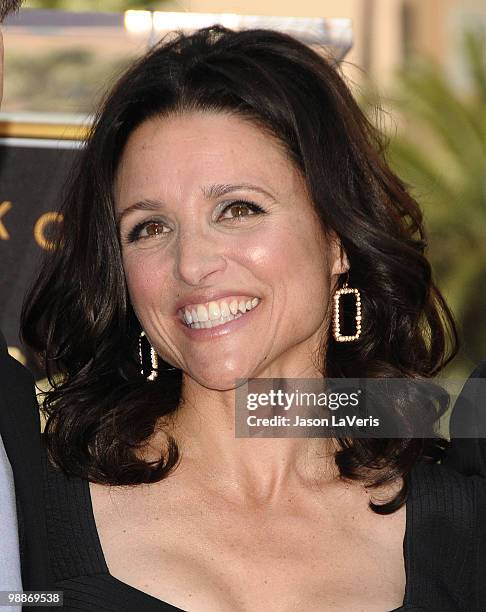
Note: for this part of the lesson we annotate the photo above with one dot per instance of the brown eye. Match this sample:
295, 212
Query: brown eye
146, 230
153, 229
240, 208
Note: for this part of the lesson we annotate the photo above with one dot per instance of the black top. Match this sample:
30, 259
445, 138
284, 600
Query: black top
444, 545
20, 431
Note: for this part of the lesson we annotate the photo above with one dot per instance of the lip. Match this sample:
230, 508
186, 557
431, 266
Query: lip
210, 296
220, 331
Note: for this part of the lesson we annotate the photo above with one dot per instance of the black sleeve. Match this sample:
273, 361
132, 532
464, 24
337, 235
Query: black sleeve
467, 455
478, 584
467, 451
20, 430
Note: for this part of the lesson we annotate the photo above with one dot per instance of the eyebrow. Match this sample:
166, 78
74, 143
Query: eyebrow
219, 190
210, 193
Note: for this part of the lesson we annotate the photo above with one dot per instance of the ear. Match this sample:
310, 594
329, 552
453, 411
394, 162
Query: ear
338, 262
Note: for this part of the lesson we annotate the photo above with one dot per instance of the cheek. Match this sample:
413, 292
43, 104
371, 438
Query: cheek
144, 279
292, 261
295, 258
310, 283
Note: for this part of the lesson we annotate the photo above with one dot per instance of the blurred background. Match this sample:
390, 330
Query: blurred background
422, 62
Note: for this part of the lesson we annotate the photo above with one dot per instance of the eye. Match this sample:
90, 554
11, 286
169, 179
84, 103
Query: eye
242, 205
147, 229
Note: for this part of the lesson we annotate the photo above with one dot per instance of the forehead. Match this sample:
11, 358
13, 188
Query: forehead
184, 152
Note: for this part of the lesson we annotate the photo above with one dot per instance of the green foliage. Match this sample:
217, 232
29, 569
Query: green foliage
442, 156
93, 5
68, 80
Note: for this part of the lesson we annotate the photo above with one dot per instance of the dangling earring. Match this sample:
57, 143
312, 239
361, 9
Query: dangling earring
154, 359
337, 314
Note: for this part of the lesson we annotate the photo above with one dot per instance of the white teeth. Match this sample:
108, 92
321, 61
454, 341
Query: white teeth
202, 313
221, 321
214, 312
225, 310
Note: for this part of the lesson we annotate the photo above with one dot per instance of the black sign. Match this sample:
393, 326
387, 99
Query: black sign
33, 174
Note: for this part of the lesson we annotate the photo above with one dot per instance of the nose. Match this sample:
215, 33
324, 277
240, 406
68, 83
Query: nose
198, 256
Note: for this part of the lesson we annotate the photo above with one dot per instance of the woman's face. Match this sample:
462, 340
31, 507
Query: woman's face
188, 193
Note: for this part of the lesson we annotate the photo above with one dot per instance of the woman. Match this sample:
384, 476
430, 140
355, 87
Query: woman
231, 177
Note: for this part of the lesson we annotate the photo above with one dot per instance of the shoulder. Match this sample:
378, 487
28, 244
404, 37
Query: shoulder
446, 524
17, 392
59, 485
457, 498
71, 529
19, 413
20, 431
467, 450
12, 373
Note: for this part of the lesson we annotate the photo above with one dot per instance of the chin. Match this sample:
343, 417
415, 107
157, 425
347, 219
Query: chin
220, 379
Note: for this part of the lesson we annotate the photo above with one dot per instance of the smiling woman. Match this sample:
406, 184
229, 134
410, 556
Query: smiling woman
203, 247
229, 191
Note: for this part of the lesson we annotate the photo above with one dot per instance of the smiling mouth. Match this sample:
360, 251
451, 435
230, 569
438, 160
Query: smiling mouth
192, 318
217, 323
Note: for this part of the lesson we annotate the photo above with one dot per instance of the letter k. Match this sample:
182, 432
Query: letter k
4, 208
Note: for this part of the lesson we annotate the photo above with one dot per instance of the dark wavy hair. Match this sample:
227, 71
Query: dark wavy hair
101, 411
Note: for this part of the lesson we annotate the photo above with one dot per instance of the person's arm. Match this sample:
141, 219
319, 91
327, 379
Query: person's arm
20, 431
467, 451
9, 543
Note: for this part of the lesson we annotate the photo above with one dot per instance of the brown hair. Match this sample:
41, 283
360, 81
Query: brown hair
102, 410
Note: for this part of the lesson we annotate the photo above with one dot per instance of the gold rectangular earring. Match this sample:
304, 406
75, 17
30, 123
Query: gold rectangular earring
336, 328
154, 359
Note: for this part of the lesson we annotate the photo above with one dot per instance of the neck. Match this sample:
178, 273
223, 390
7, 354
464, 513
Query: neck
247, 470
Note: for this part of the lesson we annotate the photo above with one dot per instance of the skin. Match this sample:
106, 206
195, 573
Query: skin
272, 256
251, 505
